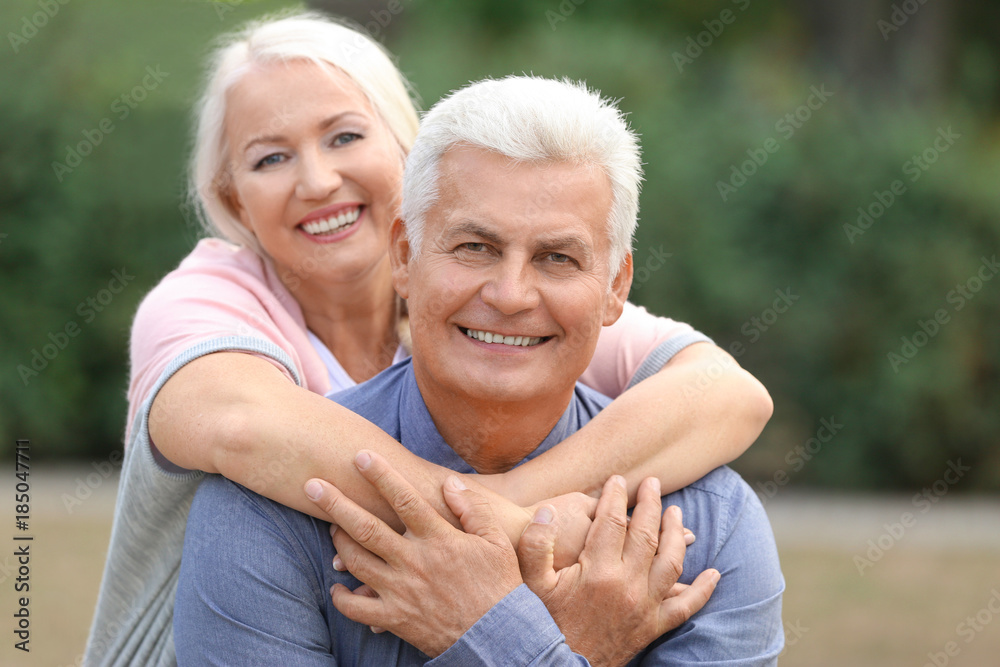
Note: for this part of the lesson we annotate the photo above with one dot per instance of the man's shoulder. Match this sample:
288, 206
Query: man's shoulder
722, 487
715, 507
723, 482
221, 501
590, 401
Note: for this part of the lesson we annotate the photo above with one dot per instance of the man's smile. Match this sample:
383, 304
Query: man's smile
516, 340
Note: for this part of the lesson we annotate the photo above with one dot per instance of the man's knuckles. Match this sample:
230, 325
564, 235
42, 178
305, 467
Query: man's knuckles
646, 538
366, 530
405, 502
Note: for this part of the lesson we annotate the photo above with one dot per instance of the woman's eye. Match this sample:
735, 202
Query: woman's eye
345, 138
268, 160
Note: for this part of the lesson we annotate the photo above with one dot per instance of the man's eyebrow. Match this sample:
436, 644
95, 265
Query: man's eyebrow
474, 229
562, 243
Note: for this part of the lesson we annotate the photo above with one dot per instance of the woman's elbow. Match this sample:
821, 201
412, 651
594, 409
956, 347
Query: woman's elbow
755, 406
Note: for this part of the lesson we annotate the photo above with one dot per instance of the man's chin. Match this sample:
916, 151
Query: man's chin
502, 386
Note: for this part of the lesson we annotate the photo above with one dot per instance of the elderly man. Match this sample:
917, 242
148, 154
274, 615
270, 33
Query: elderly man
519, 205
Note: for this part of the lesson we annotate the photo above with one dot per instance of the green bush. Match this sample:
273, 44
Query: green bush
851, 293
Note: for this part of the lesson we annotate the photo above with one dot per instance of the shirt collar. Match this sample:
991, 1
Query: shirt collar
419, 435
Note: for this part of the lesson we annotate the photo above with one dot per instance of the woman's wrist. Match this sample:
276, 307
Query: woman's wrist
512, 517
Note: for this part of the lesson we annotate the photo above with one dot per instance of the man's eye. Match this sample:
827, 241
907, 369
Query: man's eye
474, 247
559, 258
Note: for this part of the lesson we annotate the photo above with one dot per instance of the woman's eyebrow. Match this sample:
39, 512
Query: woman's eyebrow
278, 138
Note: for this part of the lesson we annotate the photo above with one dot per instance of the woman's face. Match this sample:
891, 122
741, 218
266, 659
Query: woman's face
316, 174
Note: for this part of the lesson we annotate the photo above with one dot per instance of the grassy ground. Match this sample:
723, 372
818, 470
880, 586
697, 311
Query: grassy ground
906, 605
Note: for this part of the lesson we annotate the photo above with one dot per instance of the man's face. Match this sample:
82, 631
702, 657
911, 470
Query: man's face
512, 286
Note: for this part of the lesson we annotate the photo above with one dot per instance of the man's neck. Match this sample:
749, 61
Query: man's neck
492, 436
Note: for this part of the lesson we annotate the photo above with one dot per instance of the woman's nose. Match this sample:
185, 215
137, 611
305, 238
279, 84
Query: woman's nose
318, 177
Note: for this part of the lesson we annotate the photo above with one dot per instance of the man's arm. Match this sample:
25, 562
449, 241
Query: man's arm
247, 589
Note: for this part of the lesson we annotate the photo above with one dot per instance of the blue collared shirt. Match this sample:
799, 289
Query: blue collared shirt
255, 578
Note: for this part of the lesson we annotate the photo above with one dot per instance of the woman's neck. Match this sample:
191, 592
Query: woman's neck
356, 321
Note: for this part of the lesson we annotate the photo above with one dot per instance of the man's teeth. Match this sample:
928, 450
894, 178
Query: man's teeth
489, 337
333, 223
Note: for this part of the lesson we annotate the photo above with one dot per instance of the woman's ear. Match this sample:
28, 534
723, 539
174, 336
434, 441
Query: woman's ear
400, 257
227, 194
618, 294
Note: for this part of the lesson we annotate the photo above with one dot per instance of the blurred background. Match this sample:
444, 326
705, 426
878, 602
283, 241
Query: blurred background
820, 198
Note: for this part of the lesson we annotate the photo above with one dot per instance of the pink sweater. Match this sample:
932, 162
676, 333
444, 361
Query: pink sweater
221, 290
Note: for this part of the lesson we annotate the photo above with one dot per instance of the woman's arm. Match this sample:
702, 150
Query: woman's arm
700, 411
237, 415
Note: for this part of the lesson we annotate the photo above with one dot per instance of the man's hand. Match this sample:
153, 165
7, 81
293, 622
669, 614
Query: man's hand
430, 584
623, 592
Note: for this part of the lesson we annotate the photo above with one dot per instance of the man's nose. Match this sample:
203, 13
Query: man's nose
318, 176
512, 288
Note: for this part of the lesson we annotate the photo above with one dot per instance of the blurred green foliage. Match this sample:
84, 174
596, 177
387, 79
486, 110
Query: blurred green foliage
783, 228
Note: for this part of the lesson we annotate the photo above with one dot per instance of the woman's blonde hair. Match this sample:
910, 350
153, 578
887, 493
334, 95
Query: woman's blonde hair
309, 36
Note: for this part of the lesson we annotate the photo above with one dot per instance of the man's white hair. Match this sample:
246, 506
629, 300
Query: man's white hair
529, 119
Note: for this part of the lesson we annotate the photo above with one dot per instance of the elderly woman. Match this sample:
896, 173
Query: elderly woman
301, 136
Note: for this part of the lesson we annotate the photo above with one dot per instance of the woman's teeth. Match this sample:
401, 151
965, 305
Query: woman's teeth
332, 224
489, 337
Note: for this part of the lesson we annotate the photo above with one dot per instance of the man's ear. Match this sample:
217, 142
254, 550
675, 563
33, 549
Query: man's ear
399, 257
618, 294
